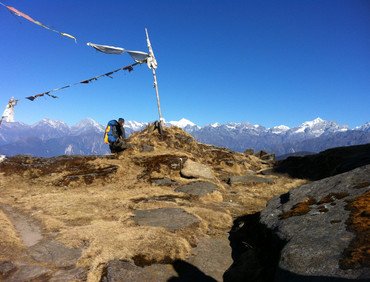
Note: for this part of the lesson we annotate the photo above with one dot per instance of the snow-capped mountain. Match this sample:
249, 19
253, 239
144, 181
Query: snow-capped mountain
50, 138
47, 129
87, 125
317, 127
365, 127
182, 123
280, 129
134, 125
312, 136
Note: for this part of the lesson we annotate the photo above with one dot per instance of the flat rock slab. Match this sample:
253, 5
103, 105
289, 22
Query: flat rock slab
193, 169
76, 274
55, 253
117, 270
176, 272
30, 273
6, 268
249, 179
209, 260
199, 188
212, 256
170, 218
163, 182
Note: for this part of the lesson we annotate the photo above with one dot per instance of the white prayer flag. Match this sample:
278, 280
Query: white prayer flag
106, 48
8, 114
138, 56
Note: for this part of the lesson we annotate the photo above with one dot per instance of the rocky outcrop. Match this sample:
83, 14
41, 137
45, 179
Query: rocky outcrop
317, 232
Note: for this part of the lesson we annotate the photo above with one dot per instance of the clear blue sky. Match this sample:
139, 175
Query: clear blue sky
264, 62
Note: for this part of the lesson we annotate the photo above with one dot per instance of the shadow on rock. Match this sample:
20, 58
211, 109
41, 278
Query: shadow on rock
188, 272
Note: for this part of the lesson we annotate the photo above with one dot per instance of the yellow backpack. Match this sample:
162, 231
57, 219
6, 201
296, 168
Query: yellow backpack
107, 129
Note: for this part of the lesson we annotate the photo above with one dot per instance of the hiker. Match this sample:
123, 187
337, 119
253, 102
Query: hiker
115, 135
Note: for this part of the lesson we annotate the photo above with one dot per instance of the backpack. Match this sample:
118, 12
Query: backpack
108, 131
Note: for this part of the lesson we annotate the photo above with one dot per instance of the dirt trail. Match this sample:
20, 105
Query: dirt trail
27, 228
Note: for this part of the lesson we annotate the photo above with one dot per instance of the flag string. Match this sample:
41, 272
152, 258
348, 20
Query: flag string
8, 114
128, 68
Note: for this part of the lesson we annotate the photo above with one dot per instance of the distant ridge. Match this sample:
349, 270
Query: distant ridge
51, 138
327, 163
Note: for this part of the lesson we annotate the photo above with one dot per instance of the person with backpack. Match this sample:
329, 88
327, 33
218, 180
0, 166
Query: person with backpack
115, 135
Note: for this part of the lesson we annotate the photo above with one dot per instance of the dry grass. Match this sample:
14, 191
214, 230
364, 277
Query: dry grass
10, 244
94, 211
254, 198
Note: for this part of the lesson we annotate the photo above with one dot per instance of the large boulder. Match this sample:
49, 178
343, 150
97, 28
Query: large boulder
326, 227
317, 232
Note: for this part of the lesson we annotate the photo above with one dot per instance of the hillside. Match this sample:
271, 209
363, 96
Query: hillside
161, 210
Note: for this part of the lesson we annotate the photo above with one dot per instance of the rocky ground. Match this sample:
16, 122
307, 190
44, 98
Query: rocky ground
160, 211
172, 209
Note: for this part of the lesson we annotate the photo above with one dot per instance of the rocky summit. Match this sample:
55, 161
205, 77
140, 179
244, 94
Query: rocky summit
172, 209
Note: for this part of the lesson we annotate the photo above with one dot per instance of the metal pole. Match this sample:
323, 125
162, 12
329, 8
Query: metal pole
151, 55
157, 94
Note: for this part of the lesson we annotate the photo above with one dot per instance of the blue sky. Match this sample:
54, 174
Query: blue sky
263, 62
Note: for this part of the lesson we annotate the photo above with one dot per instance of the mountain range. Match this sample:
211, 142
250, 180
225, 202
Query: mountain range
48, 138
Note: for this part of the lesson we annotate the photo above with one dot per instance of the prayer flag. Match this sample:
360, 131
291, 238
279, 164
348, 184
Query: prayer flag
27, 17
138, 56
106, 48
8, 114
